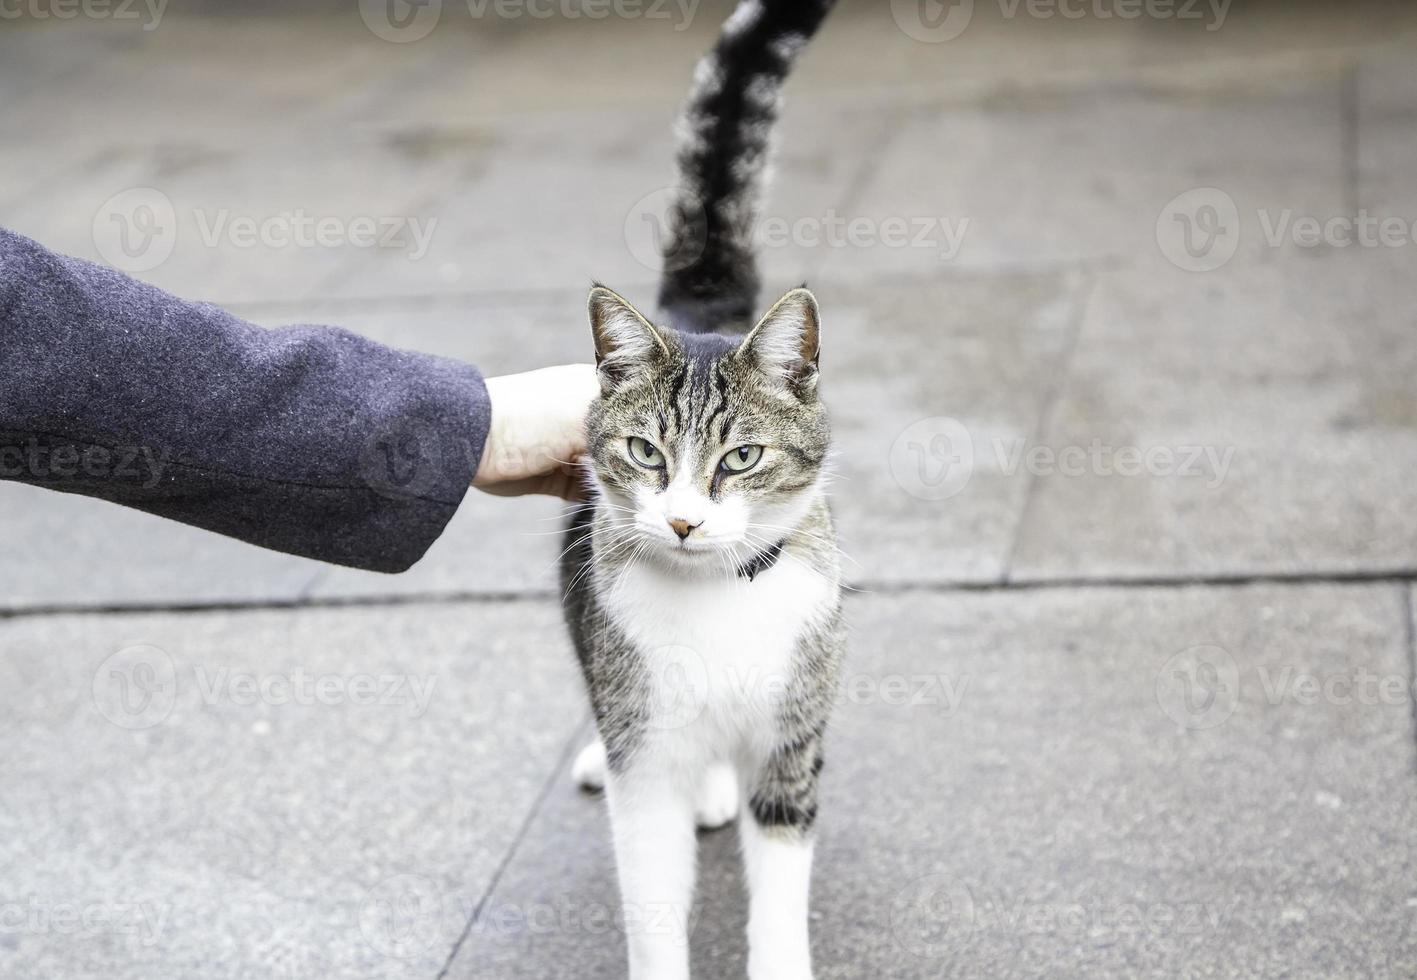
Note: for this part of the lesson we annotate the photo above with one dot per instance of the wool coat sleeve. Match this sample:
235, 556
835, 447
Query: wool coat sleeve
309, 440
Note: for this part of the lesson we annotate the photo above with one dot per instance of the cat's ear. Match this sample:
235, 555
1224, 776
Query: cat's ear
786, 342
624, 340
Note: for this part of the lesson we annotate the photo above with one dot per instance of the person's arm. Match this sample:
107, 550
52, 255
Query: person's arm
307, 440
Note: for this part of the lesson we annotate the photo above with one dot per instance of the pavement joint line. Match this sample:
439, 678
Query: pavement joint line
307, 591
278, 605
865, 588
1409, 631
562, 761
1210, 580
1047, 412
1349, 119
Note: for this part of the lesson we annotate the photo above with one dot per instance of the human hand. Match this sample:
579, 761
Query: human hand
538, 432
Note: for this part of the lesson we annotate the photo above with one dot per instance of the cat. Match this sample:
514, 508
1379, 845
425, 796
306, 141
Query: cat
701, 581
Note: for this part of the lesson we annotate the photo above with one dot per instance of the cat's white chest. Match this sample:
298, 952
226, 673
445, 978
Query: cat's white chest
722, 650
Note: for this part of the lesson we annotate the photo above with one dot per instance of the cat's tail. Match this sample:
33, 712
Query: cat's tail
710, 277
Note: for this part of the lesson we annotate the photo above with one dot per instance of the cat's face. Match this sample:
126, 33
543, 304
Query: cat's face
707, 448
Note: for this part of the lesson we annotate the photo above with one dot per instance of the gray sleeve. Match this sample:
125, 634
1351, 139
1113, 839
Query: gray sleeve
308, 440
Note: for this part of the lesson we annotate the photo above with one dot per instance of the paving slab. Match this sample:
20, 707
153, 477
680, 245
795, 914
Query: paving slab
540, 203
457, 126
116, 83
916, 372
1017, 785
379, 169
1382, 92
67, 550
259, 118
493, 65
301, 65
558, 200
209, 222
1045, 173
1267, 414
261, 794
970, 50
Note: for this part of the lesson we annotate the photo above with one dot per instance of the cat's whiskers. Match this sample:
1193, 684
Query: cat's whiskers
629, 565
608, 550
566, 550
821, 539
763, 543
575, 541
605, 553
560, 530
725, 555
584, 571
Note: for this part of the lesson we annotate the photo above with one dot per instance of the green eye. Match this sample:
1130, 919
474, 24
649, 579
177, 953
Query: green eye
741, 459
642, 451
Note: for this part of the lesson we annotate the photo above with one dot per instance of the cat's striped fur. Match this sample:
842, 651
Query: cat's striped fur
701, 581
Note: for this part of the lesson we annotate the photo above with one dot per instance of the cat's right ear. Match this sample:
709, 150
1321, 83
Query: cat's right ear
625, 341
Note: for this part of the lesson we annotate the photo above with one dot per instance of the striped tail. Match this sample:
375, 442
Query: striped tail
710, 278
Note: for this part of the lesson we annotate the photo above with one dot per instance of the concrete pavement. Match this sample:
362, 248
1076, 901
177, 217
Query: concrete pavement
1127, 474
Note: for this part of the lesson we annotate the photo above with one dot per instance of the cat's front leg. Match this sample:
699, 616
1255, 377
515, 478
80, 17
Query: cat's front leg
652, 817
777, 853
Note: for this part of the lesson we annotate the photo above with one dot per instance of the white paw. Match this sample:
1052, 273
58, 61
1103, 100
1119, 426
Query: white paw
589, 768
717, 804
779, 967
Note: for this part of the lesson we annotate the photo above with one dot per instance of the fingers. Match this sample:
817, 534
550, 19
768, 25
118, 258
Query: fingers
568, 486
537, 428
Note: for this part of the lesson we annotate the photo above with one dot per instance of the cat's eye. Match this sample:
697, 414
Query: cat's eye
645, 453
741, 459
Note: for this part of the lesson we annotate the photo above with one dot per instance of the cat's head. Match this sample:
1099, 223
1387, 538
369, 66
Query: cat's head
708, 448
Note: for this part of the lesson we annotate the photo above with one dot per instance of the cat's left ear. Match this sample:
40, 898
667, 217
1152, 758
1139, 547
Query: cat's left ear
786, 341
625, 341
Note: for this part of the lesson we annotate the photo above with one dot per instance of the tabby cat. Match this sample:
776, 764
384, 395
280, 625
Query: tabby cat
701, 580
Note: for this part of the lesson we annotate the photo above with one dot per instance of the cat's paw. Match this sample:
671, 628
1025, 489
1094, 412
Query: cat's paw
777, 966
589, 768
717, 804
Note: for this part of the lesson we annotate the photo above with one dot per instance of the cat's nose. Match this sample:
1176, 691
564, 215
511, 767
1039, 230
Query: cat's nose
682, 527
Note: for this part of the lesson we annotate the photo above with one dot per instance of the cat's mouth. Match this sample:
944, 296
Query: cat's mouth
691, 547
697, 550
695, 553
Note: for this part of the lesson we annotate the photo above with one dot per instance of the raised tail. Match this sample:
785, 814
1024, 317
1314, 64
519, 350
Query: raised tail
710, 278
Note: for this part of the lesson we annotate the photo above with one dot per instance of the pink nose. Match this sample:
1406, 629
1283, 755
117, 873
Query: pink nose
682, 527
